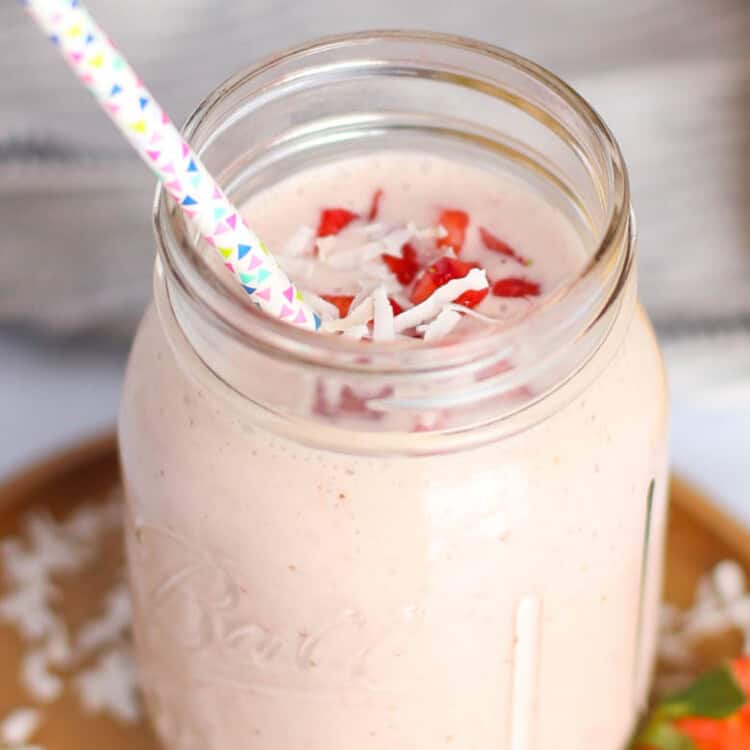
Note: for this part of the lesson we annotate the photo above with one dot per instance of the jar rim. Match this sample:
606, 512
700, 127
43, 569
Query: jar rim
612, 256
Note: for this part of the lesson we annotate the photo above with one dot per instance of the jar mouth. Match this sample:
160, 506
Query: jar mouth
574, 307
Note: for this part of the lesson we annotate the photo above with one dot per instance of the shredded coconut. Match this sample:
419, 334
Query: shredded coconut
111, 625
110, 685
41, 684
58, 650
300, 242
358, 316
366, 288
471, 312
51, 548
359, 256
441, 326
374, 229
347, 260
396, 239
19, 726
27, 609
428, 233
383, 328
475, 280
356, 332
326, 246
728, 580
57, 552
325, 309
381, 274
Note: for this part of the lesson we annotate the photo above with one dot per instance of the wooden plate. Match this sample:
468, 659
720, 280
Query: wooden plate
699, 536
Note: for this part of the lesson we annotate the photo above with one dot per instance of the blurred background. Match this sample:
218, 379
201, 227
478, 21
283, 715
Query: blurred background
671, 77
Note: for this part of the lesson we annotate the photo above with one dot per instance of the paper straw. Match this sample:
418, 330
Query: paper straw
121, 93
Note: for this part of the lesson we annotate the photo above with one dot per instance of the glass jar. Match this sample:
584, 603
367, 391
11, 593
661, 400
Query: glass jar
472, 556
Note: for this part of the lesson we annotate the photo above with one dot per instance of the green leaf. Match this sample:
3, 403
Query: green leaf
714, 695
662, 735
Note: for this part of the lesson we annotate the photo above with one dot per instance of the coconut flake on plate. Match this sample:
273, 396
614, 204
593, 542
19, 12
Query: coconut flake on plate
301, 242
56, 550
722, 603
57, 647
19, 726
441, 326
383, 328
110, 626
41, 684
475, 280
110, 685
27, 609
728, 580
20, 564
84, 524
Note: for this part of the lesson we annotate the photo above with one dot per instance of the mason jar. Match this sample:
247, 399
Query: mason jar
473, 557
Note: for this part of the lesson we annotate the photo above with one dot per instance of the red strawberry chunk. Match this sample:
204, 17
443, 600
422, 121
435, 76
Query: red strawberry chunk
397, 309
404, 268
515, 287
491, 242
342, 301
731, 733
372, 214
441, 272
472, 297
333, 220
707, 734
423, 288
454, 222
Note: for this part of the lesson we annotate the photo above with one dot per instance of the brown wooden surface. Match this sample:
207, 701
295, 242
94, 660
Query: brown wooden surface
699, 536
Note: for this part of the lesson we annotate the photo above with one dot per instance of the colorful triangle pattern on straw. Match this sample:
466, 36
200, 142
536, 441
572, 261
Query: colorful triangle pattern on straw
88, 50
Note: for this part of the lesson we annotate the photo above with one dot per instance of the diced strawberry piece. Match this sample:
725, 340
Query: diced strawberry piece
404, 268
372, 214
515, 287
472, 297
491, 242
333, 220
440, 272
423, 288
707, 734
342, 301
397, 309
454, 222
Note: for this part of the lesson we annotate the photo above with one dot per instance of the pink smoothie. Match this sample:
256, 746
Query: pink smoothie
503, 596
